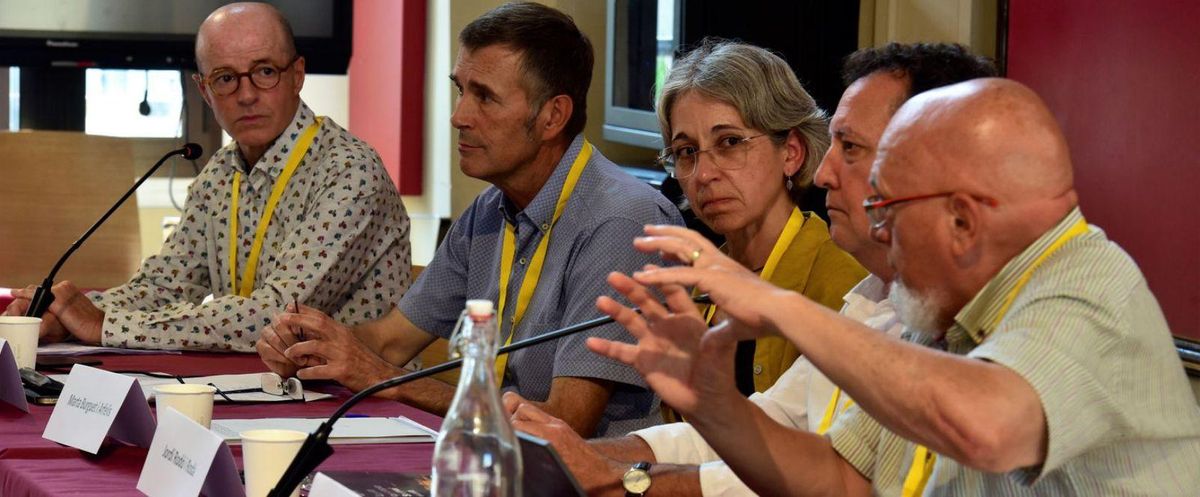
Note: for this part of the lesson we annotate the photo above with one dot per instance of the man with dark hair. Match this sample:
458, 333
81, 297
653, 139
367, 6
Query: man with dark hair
334, 236
925, 66
555, 58
682, 462
557, 219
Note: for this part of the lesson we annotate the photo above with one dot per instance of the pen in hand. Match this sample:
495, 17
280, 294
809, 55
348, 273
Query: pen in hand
299, 330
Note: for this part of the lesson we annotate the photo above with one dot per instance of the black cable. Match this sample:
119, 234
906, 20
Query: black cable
316, 447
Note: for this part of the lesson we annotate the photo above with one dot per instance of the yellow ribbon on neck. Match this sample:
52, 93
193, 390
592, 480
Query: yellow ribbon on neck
790, 230
924, 459
508, 252
297, 155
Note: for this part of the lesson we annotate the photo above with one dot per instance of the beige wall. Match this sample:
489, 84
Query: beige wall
463, 189
590, 16
970, 22
150, 220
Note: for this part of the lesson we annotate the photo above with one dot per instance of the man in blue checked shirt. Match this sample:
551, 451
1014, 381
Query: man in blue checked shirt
558, 218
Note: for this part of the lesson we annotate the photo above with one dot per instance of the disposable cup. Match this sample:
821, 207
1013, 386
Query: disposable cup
266, 454
22, 335
193, 401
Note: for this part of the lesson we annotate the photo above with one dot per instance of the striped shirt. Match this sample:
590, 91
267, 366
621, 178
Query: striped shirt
1090, 338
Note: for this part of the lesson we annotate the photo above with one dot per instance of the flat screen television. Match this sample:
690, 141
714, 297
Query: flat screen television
642, 39
153, 34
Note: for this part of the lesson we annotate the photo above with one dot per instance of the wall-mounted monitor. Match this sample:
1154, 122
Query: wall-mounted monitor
153, 34
642, 39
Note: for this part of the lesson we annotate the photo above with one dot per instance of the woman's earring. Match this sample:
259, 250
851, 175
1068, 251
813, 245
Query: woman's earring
789, 184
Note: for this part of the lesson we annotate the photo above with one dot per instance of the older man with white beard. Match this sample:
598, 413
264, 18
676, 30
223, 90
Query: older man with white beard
1042, 364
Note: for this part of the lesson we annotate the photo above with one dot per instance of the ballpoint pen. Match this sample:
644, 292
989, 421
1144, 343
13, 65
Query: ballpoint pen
299, 330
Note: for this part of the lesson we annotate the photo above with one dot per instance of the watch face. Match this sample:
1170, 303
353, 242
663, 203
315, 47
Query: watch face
636, 481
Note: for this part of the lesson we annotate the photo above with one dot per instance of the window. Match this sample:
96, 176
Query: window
14, 98
114, 103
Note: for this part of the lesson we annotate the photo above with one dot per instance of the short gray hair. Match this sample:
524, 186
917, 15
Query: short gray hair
764, 90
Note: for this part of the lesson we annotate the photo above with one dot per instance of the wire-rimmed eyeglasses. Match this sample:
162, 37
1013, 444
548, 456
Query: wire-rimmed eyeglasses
729, 153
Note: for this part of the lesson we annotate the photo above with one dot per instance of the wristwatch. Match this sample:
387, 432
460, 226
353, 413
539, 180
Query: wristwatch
637, 480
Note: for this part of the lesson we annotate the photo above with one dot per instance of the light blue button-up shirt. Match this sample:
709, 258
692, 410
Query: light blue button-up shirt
593, 237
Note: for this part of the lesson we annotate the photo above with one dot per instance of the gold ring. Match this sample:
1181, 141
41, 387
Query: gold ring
695, 255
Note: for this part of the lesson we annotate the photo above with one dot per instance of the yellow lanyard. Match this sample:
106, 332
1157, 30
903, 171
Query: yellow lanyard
534, 273
923, 458
790, 230
1080, 227
832, 410
919, 472
293, 162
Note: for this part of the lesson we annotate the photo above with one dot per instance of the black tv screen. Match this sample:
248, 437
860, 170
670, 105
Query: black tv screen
153, 34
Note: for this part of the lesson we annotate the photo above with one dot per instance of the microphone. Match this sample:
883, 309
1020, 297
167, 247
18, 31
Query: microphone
43, 297
316, 447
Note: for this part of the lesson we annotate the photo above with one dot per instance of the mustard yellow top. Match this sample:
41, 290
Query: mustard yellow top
815, 267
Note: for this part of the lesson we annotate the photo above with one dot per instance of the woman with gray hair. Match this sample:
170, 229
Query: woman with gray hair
744, 139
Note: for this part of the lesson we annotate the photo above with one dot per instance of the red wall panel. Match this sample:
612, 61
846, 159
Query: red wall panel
1123, 79
387, 85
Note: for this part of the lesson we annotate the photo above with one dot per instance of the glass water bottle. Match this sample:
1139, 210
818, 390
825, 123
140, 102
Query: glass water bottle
477, 453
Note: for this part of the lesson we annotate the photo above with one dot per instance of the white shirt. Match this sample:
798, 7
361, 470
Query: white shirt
801, 390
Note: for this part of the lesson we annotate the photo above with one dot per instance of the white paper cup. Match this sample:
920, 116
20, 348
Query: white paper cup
266, 454
193, 401
22, 335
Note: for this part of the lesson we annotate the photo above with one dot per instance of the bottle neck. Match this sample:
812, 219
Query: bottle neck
479, 350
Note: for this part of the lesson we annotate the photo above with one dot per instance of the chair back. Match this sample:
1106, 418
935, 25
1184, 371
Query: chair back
53, 186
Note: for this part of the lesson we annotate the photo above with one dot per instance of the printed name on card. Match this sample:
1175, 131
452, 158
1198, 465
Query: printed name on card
186, 458
95, 404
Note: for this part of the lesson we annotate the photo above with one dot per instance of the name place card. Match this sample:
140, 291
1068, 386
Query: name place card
186, 459
96, 404
11, 390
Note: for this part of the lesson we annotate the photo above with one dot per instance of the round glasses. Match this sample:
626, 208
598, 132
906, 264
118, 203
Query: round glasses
264, 76
729, 153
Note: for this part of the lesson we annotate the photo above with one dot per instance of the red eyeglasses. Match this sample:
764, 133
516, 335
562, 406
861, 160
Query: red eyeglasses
878, 207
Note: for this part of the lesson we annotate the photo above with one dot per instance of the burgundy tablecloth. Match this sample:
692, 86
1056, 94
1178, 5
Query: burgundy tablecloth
33, 466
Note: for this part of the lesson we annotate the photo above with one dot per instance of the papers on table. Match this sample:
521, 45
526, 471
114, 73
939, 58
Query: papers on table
346, 431
223, 382
75, 349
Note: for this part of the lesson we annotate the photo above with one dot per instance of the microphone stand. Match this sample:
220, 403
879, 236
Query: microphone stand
43, 297
316, 447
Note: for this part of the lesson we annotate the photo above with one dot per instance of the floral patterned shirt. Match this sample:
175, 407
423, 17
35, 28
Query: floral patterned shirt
338, 242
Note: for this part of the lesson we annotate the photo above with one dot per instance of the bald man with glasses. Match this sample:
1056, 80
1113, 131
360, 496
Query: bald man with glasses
294, 210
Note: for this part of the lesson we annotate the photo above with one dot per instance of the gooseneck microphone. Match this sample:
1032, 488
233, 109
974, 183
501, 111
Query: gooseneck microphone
316, 447
43, 297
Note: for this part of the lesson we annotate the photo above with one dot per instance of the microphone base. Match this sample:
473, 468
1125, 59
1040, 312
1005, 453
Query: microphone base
42, 298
